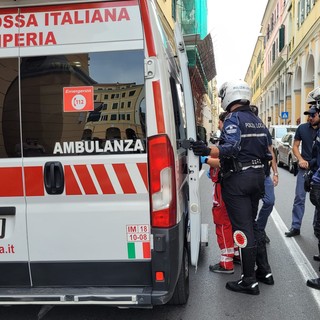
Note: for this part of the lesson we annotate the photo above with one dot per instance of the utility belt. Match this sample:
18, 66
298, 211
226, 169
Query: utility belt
231, 165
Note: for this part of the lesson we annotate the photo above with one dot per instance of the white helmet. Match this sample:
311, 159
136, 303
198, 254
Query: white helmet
234, 91
314, 97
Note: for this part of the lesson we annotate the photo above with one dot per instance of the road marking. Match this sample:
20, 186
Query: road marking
299, 257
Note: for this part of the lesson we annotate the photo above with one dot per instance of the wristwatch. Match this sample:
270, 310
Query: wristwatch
276, 174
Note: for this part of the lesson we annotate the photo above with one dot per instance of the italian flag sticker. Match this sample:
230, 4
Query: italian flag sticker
139, 250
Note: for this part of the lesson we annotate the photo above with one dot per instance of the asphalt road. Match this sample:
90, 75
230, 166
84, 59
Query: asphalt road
290, 259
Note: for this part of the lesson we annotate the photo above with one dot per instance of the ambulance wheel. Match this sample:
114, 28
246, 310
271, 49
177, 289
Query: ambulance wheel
181, 291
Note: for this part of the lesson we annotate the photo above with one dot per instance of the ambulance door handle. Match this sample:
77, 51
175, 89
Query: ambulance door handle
7, 211
54, 177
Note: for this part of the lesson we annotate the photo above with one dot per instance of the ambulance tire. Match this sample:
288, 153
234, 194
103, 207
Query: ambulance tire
181, 291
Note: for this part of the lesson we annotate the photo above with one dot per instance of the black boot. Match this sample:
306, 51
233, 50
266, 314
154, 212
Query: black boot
263, 272
314, 283
248, 283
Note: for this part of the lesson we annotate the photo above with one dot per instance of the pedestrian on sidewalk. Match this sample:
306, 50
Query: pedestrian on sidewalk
305, 135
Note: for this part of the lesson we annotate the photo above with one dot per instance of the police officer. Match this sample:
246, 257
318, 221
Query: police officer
242, 153
314, 99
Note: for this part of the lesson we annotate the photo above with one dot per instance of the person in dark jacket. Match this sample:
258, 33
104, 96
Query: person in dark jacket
305, 135
314, 99
242, 153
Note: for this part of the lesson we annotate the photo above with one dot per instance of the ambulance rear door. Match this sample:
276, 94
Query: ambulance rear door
193, 161
83, 134
14, 258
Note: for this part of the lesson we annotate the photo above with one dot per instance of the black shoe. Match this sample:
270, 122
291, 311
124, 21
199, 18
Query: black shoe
316, 258
292, 232
237, 260
266, 279
314, 283
243, 286
218, 269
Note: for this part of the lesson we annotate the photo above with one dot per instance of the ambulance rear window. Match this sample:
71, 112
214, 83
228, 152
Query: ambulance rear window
74, 104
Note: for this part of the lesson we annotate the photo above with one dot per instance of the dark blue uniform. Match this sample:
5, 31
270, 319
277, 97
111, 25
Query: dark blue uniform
315, 189
242, 156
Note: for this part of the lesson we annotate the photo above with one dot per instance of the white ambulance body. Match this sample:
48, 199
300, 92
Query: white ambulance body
94, 181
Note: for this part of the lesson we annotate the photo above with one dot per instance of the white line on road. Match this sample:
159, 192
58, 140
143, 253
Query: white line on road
299, 257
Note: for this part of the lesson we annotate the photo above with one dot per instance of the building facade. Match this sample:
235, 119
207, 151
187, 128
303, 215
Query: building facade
192, 17
290, 64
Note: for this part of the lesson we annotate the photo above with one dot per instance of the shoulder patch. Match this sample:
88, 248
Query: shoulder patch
231, 128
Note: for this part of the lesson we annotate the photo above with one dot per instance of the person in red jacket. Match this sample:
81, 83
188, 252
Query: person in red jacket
229, 252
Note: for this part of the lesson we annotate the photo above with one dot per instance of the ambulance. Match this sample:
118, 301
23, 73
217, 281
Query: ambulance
99, 198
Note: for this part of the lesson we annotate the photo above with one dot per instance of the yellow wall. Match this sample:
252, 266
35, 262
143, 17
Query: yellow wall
166, 8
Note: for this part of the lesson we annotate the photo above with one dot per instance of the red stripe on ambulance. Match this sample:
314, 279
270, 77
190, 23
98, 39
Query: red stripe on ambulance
103, 179
158, 106
79, 180
85, 179
72, 187
147, 28
124, 178
11, 182
143, 169
34, 181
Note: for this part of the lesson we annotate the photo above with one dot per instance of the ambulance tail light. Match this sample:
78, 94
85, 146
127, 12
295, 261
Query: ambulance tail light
162, 182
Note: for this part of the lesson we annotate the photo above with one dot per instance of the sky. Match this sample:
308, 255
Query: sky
234, 26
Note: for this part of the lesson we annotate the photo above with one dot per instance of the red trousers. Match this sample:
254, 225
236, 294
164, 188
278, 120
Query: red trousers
223, 227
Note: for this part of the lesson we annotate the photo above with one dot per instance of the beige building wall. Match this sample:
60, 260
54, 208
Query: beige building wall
291, 72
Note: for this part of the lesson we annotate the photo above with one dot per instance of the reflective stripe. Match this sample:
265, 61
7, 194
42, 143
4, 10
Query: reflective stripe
227, 251
250, 135
254, 167
226, 259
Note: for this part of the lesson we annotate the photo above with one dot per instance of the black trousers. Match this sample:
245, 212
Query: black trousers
241, 193
315, 200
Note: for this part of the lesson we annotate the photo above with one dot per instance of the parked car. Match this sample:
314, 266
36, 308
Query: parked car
278, 132
285, 154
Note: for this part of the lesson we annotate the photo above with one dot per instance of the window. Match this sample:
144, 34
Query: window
174, 9
123, 94
93, 116
115, 96
303, 10
33, 118
178, 109
308, 6
281, 37
129, 104
128, 116
131, 93
122, 105
273, 52
10, 122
